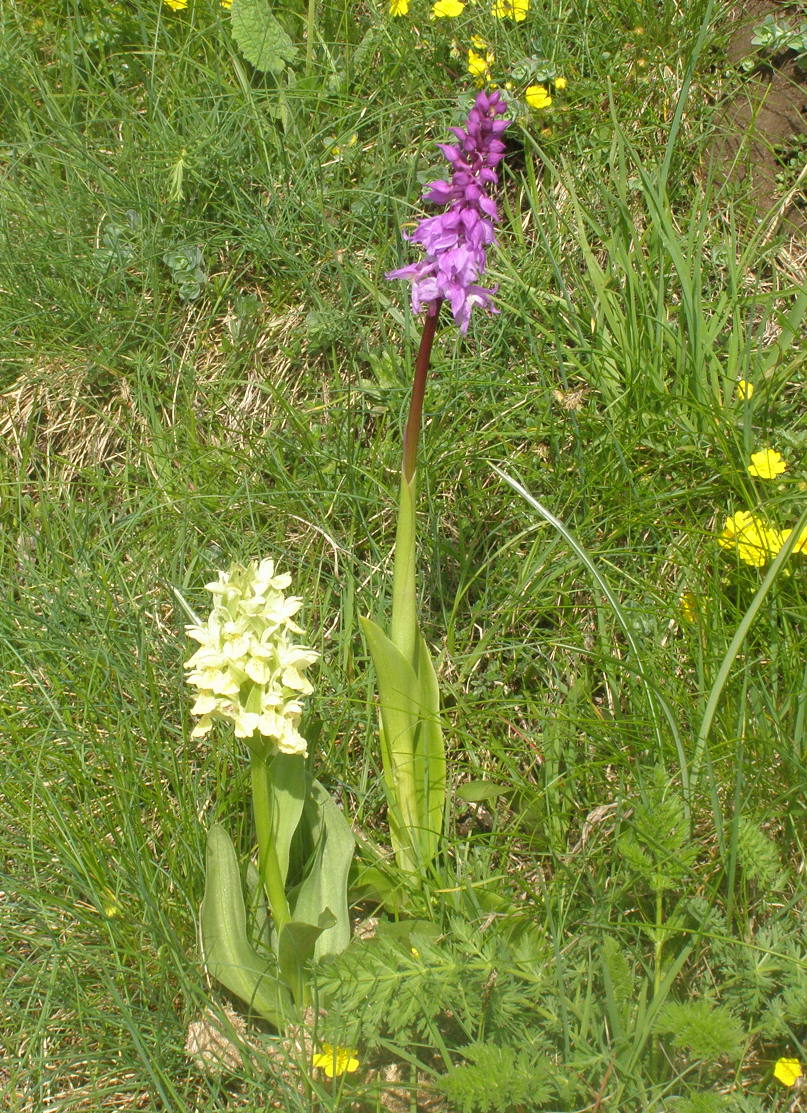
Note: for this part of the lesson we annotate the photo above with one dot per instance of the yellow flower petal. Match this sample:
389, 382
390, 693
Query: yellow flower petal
537, 96
755, 541
399, 7
689, 607
335, 1061
745, 390
511, 9
479, 64
788, 1071
767, 464
447, 9
560, 83
176, 5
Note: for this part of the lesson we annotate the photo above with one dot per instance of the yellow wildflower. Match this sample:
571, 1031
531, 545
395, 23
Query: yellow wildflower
479, 65
335, 1060
788, 1071
756, 543
398, 7
745, 390
560, 83
226, 3
689, 607
511, 9
537, 96
176, 5
447, 9
766, 464
801, 544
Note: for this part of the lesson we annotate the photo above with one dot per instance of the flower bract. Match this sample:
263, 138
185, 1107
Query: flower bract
788, 1071
456, 240
335, 1061
766, 464
248, 671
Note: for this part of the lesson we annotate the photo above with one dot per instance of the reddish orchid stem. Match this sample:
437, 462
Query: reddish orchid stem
413, 421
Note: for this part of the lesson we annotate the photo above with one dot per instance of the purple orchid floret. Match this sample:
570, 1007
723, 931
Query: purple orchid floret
456, 241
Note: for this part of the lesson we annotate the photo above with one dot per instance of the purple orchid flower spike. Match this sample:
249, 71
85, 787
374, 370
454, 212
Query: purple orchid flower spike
456, 240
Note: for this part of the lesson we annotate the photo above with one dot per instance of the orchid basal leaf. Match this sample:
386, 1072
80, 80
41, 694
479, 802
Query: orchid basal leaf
228, 954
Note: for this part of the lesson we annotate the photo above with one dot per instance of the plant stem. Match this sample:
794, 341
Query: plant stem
413, 422
310, 25
268, 866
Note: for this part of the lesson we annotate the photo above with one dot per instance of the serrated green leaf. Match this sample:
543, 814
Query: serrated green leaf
259, 36
227, 953
707, 1030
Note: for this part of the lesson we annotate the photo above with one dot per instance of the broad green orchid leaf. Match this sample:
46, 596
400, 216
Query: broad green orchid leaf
295, 947
259, 922
398, 694
325, 886
430, 757
287, 790
227, 952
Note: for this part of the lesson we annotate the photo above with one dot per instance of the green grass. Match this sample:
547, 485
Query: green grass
641, 945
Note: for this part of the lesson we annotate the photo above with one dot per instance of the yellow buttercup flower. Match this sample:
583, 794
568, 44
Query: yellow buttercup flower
176, 5
560, 83
801, 544
226, 3
335, 1060
511, 9
447, 9
767, 464
479, 65
537, 96
689, 607
755, 541
788, 1071
745, 390
398, 7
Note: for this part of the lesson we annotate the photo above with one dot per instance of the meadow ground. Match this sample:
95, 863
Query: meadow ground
201, 361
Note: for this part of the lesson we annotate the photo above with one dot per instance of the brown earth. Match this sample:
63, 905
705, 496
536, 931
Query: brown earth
766, 122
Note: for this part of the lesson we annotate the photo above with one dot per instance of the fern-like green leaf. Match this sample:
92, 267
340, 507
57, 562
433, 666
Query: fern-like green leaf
498, 1078
708, 1031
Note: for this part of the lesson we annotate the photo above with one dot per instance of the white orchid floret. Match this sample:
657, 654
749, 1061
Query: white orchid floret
247, 670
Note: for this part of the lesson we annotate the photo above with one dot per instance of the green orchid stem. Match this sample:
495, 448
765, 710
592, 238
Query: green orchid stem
413, 422
268, 865
403, 624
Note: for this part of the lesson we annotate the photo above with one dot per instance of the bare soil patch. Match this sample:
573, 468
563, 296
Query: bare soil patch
762, 131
